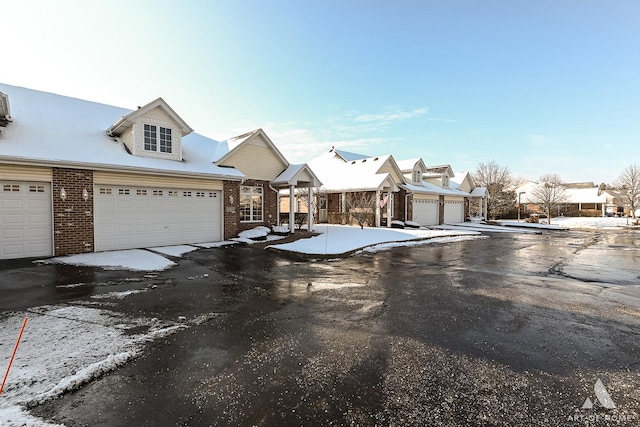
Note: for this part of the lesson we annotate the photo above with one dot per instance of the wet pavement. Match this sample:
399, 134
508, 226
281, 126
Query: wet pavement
510, 330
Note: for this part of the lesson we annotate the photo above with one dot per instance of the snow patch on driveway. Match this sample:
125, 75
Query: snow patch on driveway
132, 259
63, 348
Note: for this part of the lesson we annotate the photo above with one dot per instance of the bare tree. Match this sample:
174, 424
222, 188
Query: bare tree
628, 187
549, 193
500, 185
361, 207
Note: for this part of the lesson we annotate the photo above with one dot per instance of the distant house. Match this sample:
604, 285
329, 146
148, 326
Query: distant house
79, 176
582, 199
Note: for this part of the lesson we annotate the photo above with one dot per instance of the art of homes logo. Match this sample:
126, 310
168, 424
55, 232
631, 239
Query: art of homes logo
603, 398
602, 395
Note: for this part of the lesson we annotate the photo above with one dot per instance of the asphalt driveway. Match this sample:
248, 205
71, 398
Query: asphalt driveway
511, 330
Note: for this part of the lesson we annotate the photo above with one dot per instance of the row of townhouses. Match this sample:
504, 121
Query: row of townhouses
78, 176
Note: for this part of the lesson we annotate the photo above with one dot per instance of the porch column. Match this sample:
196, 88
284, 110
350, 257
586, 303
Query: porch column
389, 209
378, 208
310, 209
292, 205
486, 208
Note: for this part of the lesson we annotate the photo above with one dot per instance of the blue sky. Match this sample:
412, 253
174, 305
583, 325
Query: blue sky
540, 87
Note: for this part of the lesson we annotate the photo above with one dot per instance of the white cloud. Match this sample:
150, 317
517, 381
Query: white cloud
392, 115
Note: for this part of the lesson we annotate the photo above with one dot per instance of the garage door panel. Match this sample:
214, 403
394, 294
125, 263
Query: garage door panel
425, 212
13, 233
453, 211
38, 233
12, 204
12, 219
155, 217
25, 220
12, 250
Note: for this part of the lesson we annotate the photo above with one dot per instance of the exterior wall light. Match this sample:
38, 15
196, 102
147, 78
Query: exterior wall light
63, 194
85, 195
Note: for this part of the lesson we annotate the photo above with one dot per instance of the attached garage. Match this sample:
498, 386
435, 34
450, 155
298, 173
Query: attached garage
425, 211
25, 219
135, 217
453, 211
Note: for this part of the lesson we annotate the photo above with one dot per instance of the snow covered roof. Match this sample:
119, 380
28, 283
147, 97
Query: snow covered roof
297, 174
410, 164
575, 193
56, 130
128, 120
585, 195
363, 174
428, 188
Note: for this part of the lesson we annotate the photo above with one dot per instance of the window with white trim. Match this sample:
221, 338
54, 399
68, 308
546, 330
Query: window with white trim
251, 204
151, 139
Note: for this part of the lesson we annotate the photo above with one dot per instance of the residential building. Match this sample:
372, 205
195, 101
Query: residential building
78, 176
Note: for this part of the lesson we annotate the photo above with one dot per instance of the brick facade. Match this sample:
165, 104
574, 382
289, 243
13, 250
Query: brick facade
231, 208
72, 217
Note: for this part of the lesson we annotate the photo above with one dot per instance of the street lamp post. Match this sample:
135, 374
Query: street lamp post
519, 194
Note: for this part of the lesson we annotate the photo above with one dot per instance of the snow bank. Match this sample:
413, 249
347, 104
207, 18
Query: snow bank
132, 259
342, 239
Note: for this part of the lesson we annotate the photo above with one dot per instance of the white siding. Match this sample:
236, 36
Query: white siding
118, 178
256, 162
25, 173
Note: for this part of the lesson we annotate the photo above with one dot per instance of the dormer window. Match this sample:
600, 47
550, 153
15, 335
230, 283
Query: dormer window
445, 180
151, 138
417, 177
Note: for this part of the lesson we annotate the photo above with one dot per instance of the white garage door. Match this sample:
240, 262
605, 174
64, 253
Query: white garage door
453, 211
425, 212
133, 217
25, 220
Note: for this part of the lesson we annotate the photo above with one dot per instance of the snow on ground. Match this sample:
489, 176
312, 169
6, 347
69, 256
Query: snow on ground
342, 239
176, 251
580, 222
62, 348
597, 222
209, 245
131, 259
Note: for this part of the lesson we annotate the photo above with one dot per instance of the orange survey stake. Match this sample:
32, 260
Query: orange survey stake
15, 349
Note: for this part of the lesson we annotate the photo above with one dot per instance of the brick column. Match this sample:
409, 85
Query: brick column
230, 208
73, 229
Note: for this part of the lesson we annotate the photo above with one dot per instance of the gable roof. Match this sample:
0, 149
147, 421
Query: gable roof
364, 174
410, 164
235, 143
297, 175
56, 130
128, 120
